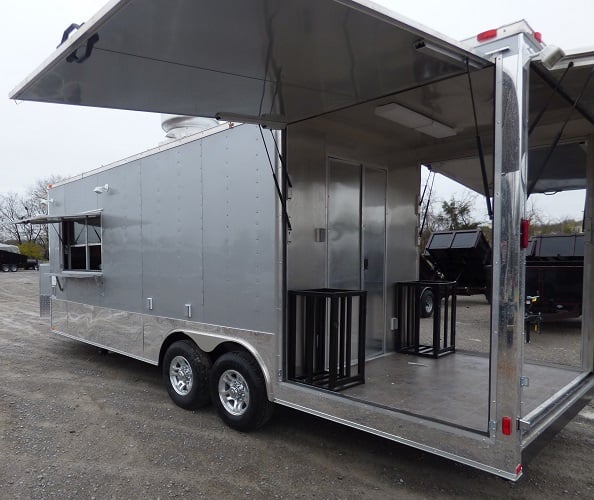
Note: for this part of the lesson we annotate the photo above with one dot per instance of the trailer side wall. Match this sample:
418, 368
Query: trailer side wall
180, 229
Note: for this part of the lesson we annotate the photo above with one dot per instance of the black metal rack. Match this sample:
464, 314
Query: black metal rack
408, 311
322, 325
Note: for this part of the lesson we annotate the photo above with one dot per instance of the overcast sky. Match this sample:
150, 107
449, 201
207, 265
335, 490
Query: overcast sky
41, 139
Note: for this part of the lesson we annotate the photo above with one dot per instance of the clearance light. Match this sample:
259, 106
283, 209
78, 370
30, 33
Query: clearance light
486, 35
518, 469
506, 426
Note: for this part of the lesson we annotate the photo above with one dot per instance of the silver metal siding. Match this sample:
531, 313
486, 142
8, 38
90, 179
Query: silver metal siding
153, 239
122, 243
45, 291
57, 207
239, 228
172, 232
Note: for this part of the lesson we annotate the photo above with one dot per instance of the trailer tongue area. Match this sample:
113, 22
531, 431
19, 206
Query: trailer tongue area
192, 260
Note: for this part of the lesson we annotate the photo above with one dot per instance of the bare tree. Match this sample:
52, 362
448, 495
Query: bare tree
534, 215
14, 207
37, 199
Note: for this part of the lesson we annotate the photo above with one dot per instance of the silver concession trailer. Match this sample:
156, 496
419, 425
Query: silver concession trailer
258, 264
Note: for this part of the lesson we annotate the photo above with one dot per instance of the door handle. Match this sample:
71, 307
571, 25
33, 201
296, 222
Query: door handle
365, 263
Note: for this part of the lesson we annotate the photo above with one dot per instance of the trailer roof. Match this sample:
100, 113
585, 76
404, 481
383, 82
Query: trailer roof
265, 61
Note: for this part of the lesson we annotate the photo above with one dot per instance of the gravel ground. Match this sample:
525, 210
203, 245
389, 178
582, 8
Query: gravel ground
558, 342
78, 424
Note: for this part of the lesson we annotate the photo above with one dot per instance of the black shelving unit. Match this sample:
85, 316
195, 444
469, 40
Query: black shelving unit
322, 325
408, 311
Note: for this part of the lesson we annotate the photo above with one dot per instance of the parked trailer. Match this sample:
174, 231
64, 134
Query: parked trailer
554, 274
252, 288
11, 258
463, 256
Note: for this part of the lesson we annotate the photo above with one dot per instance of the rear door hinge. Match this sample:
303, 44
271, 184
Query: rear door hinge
492, 428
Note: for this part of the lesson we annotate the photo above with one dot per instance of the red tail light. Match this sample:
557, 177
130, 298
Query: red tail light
486, 35
506, 426
524, 230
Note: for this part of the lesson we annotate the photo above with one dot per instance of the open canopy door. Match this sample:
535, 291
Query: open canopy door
264, 61
561, 101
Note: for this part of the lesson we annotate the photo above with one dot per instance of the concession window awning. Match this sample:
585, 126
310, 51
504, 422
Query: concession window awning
273, 62
52, 219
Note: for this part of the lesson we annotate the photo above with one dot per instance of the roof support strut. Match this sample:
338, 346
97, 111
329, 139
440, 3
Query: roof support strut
479, 145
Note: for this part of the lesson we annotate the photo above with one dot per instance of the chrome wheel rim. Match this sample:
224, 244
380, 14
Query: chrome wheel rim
180, 375
234, 392
429, 304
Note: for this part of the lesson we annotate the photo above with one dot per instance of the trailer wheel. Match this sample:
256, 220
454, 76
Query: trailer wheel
5, 268
186, 371
14, 268
427, 303
238, 391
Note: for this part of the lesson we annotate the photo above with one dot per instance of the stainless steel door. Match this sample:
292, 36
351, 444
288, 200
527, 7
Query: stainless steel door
356, 214
344, 225
373, 215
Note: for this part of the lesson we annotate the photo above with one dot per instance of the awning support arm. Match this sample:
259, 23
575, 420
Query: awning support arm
479, 146
57, 233
276, 184
551, 150
282, 160
431, 172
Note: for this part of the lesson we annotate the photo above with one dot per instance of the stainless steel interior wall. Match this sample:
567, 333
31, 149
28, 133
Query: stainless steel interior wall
308, 150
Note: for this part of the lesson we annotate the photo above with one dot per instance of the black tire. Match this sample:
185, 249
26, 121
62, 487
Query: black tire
427, 303
238, 391
5, 268
186, 371
14, 268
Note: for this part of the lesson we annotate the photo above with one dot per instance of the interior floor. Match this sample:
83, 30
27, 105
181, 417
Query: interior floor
453, 389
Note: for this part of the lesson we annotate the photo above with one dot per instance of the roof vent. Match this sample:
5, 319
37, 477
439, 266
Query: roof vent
180, 126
